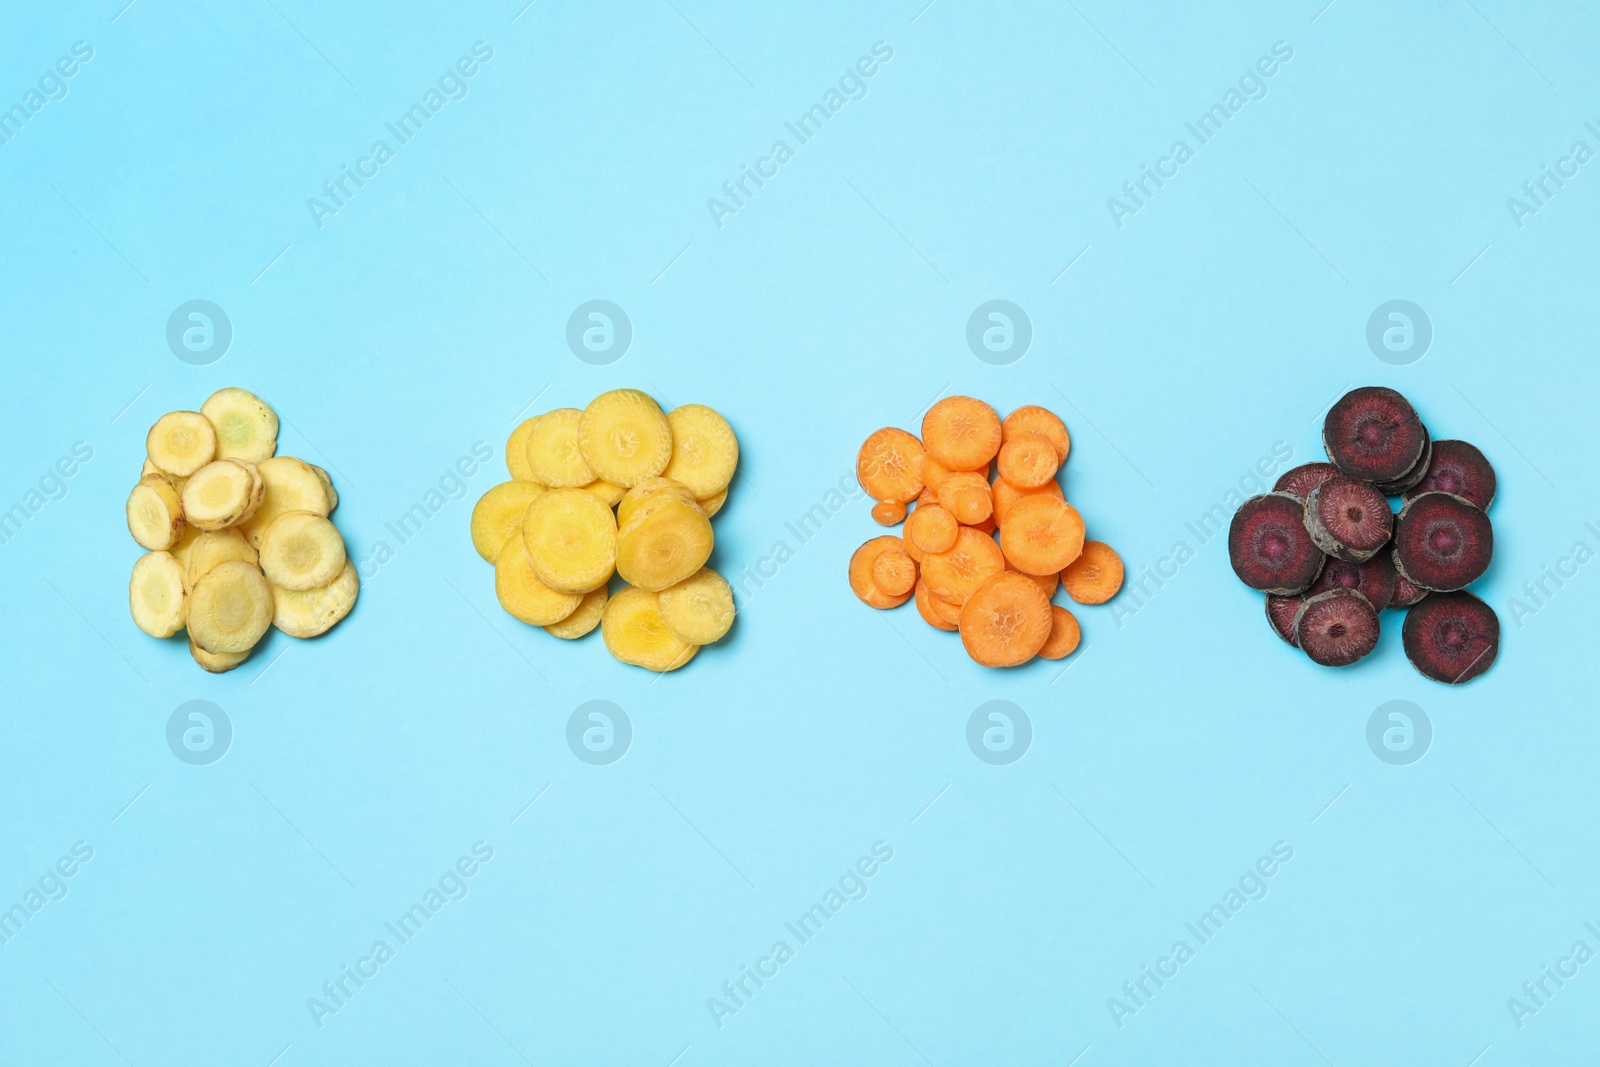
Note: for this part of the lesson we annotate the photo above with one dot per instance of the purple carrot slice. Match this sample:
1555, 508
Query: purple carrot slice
1373, 434
1458, 467
1348, 519
1374, 579
1406, 592
1451, 637
1281, 611
1409, 479
1304, 478
1336, 628
1442, 542
1269, 546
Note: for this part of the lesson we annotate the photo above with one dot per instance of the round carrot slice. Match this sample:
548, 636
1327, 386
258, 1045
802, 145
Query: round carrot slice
947, 610
1064, 634
1048, 582
1005, 621
1005, 494
1041, 534
961, 433
888, 513
987, 526
954, 574
1028, 460
933, 472
889, 465
894, 572
1035, 419
966, 495
932, 529
925, 608
861, 573
1095, 576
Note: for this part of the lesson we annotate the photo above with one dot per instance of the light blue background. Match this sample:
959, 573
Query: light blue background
427, 315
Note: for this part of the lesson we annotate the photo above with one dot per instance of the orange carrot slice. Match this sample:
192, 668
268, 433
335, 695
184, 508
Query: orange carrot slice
861, 582
894, 572
1005, 621
1095, 576
961, 433
930, 614
947, 610
1064, 634
1048, 582
1041, 534
909, 547
954, 574
932, 529
966, 495
1005, 494
1028, 460
1035, 419
888, 513
933, 472
889, 465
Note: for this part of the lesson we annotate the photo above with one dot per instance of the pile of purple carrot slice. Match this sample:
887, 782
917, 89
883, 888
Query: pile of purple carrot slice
1331, 554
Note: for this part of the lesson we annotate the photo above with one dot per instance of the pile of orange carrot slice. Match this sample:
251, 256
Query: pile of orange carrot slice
989, 536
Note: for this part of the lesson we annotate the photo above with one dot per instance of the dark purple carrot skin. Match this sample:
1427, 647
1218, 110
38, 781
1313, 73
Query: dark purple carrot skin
1269, 547
1451, 637
1336, 628
1302, 479
1458, 467
1348, 519
1442, 542
1373, 434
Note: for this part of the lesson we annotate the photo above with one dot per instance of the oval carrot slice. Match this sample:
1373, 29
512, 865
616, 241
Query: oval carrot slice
861, 582
1005, 621
966, 495
1064, 634
932, 529
1028, 460
954, 574
987, 526
894, 572
925, 608
1041, 534
1035, 419
888, 513
889, 465
1005, 494
1095, 576
961, 433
